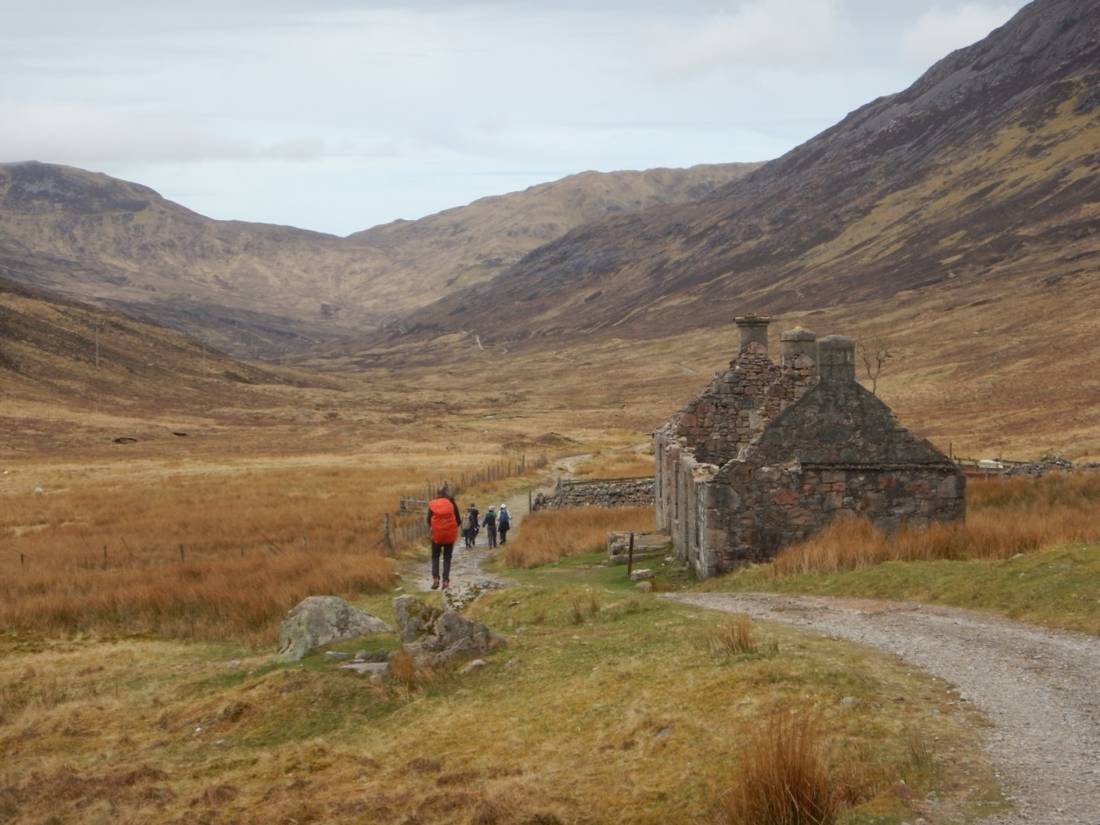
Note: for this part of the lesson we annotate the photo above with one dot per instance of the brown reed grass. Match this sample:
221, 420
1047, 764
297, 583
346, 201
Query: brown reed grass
783, 778
1005, 517
550, 535
733, 636
215, 551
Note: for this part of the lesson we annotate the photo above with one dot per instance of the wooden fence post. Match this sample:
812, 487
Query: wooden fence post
630, 557
387, 537
181, 554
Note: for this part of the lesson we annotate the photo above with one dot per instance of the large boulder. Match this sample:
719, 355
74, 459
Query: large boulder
320, 620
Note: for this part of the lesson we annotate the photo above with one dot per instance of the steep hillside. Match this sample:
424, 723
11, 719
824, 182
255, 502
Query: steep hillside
261, 290
984, 172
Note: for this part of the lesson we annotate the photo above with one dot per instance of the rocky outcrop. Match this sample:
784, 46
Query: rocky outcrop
437, 637
320, 620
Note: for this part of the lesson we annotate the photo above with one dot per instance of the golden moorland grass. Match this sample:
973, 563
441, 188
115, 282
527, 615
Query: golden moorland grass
201, 549
549, 535
1005, 517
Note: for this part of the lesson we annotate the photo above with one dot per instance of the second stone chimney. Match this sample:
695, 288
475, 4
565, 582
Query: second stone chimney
754, 330
796, 342
836, 359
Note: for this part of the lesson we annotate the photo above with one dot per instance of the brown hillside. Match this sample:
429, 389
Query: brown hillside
262, 290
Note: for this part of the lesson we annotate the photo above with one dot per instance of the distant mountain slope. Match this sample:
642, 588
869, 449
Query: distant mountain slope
52, 348
985, 172
263, 290
471, 244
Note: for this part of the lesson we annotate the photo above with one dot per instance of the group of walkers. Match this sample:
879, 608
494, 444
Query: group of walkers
444, 521
496, 523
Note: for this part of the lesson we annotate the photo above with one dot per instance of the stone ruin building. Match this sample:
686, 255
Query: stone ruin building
770, 453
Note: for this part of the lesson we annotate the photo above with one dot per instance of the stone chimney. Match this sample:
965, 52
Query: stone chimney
836, 360
754, 330
796, 342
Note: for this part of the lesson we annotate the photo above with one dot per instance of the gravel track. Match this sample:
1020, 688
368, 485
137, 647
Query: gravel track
1040, 688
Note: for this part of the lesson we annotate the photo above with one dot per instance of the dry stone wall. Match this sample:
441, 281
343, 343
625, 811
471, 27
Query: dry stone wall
637, 492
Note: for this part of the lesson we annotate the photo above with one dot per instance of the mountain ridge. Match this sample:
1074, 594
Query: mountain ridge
261, 290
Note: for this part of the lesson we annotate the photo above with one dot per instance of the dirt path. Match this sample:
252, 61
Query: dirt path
1039, 688
467, 565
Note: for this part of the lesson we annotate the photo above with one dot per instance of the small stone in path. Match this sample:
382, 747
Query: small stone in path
645, 586
336, 654
469, 667
641, 575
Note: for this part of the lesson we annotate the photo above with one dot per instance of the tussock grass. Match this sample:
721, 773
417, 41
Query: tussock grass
209, 598
733, 636
783, 778
1004, 518
550, 535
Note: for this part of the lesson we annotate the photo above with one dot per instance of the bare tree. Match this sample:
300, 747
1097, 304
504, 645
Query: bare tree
874, 352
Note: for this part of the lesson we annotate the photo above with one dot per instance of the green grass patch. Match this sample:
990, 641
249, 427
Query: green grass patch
1058, 588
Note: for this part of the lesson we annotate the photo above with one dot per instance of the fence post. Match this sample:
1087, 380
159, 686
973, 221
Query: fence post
387, 538
22, 561
630, 557
529, 501
181, 554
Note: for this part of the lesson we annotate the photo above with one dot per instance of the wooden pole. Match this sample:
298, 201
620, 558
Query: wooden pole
529, 501
630, 557
181, 554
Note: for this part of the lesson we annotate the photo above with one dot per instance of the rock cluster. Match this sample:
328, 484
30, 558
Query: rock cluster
320, 620
610, 493
436, 637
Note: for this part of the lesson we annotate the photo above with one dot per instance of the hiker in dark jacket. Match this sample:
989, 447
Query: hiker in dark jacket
504, 523
472, 528
443, 520
490, 523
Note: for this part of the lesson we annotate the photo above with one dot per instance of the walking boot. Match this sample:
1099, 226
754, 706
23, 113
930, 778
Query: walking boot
435, 584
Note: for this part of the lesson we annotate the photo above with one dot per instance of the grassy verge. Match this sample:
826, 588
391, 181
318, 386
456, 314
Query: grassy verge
606, 706
1058, 587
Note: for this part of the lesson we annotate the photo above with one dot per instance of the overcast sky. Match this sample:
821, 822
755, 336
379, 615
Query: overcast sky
338, 115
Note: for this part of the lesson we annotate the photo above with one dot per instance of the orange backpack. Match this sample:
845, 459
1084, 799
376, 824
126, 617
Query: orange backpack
444, 523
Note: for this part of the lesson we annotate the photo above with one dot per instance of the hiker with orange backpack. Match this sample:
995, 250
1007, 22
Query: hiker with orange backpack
443, 519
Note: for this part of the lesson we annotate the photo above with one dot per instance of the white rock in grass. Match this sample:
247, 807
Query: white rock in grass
641, 575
